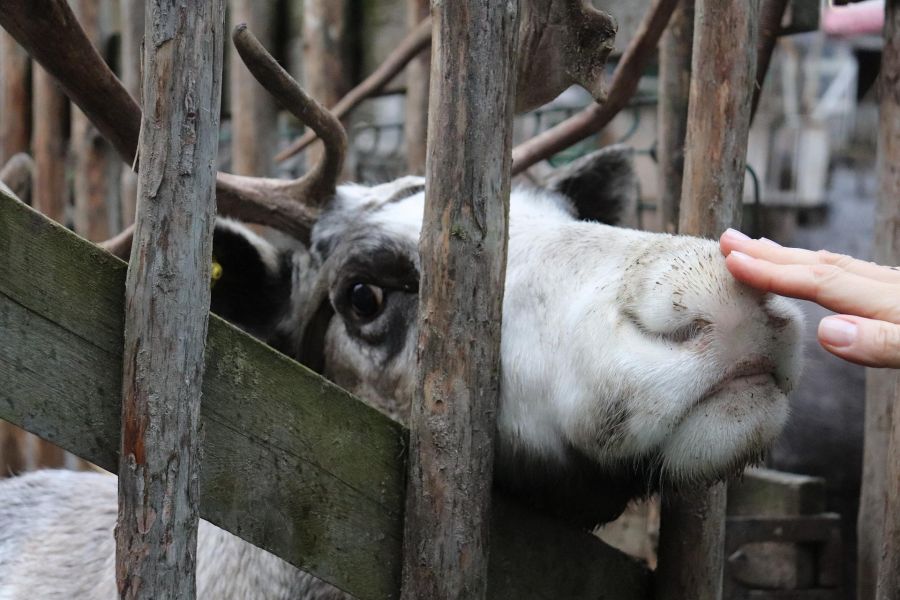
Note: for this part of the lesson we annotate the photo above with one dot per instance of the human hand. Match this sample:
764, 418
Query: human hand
868, 295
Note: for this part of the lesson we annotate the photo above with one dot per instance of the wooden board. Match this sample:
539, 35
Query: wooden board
291, 462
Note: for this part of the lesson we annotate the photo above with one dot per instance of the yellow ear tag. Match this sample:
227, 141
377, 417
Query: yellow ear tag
215, 273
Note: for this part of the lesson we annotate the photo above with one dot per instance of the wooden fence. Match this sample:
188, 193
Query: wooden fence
329, 470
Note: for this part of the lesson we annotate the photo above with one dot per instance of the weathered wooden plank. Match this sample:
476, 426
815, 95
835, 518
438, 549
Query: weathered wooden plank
292, 463
315, 453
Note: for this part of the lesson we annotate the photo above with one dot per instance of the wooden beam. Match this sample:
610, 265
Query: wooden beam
883, 386
723, 73
463, 255
674, 90
329, 469
167, 295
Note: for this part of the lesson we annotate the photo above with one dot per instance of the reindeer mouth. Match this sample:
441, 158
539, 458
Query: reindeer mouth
755, 373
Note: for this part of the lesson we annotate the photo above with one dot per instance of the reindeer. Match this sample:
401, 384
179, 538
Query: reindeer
631, 361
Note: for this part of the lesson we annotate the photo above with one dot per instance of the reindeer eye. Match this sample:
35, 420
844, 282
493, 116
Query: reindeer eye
366, 300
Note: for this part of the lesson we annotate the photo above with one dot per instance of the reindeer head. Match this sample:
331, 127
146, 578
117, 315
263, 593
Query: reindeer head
629, 359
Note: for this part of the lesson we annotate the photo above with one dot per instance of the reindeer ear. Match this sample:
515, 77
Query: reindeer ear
602, 186
251, 280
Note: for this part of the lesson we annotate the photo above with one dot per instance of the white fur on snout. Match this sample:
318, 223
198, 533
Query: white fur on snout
593, 359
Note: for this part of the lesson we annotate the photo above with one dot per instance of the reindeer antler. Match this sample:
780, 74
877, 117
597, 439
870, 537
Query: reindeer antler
414, 43
50, 32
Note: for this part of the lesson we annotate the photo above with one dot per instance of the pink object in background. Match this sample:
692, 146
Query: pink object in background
854, 19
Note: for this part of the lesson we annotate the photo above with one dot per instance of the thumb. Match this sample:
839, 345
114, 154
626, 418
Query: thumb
863, 341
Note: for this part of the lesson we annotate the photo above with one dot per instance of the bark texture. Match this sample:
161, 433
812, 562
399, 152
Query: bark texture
882, 451
674, 89
723, 73
722, 82
691, 546
463, 249
167, 301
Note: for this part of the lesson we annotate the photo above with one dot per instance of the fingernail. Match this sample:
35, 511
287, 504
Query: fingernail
741, 256
769, 242
735, 234
835, 331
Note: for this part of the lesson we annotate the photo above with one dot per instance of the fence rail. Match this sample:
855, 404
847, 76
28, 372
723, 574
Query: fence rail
291, 463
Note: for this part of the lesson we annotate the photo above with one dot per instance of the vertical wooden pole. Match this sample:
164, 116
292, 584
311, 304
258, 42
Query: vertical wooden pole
254, 131
14, 137
463, 250
771, 13
50, 146
674, 90
167, 300
416, 126
15, 98
723, 73
881, 477
132, 25
722, 82
97, 166
327, 75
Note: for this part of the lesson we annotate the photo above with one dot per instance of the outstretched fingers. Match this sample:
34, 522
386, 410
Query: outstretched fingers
829, 285
733, 240
866, 342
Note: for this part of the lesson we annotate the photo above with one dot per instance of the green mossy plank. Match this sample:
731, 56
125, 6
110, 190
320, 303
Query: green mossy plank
291, 462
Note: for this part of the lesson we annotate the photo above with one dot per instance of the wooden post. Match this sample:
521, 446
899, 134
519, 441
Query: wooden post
167, 300
416, 127
50, 146
132, 26
97, 167
254, 127
327, 75
722, 83
674, 89
14, 137
463, 249
15, 99
723, 73
879, 517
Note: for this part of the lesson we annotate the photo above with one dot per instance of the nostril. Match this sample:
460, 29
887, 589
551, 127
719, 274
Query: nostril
777, 321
